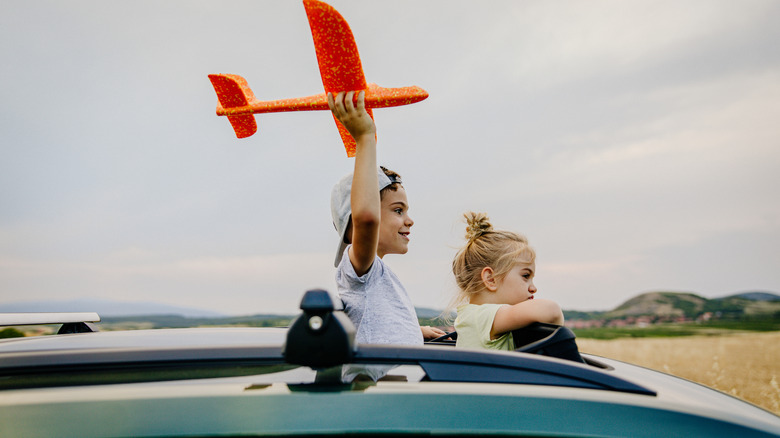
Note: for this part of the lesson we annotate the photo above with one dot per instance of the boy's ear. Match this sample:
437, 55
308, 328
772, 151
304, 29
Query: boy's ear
488, 279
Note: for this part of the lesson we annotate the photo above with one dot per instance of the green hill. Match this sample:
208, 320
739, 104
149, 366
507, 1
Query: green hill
669, 304
681, 305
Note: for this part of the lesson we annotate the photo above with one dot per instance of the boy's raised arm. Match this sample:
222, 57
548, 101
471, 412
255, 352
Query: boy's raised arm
365, 201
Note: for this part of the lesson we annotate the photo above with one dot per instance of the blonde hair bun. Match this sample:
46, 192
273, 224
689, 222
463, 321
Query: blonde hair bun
477, 224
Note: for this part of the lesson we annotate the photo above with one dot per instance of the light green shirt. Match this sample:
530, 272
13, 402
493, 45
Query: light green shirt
473, 325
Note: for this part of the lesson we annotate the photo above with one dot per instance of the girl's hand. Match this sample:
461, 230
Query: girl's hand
354, 118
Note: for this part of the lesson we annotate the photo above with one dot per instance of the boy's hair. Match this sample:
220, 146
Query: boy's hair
341, 208
395, 181
486, 247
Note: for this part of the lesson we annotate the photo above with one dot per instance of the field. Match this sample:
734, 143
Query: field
745, 365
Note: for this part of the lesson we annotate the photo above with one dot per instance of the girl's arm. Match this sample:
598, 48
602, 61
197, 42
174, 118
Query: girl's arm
519, 315
364, 199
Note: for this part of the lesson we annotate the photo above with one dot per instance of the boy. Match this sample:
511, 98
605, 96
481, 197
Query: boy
370, 225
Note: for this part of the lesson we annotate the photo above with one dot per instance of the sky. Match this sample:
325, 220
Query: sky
635, 144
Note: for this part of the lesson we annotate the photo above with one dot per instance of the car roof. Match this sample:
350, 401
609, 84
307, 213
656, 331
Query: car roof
155, 338
74, 379
280, 399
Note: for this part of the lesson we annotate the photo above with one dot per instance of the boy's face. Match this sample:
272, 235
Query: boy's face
395, 223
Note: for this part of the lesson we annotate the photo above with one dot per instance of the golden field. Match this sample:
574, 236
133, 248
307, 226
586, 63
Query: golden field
745, 365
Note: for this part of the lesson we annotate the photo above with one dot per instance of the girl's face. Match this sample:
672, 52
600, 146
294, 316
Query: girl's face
395, 223
518, 284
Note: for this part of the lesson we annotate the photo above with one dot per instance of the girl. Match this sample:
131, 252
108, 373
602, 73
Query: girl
495, 272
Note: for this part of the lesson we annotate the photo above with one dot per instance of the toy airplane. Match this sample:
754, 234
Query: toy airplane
340, 68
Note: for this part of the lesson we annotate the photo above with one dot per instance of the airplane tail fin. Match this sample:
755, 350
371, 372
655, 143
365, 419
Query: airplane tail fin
233, 91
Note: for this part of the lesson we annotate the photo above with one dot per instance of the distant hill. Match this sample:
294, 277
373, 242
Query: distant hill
178, 321
109, 308
676, 305
424, 312
755, 296
660, 303
661, 306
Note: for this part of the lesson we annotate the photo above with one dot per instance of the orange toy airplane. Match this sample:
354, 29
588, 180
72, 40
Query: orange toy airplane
340, 68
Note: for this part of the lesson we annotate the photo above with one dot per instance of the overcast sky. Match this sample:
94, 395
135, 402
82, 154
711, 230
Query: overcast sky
635, 143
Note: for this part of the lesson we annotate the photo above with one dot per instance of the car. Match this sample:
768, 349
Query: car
312, 379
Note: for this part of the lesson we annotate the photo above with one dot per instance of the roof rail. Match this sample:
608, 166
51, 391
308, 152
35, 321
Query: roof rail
72, 322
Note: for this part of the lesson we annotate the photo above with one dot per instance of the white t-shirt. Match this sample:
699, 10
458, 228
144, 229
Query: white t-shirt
378, 304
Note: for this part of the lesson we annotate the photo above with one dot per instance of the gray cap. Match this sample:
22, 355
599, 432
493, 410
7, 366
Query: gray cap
341, 208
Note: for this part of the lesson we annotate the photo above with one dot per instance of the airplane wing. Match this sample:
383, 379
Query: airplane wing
337, 56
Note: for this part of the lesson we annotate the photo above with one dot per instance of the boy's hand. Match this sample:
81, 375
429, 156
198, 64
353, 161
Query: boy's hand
354, 118
429, 332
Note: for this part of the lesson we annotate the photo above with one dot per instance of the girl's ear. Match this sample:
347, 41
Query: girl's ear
488, 279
